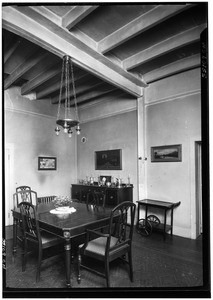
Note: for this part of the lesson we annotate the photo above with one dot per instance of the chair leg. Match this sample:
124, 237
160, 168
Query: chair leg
24, 255
79, 266
107, 272
130, 264
39, 265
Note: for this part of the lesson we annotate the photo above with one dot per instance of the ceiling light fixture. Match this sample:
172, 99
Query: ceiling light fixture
65, 119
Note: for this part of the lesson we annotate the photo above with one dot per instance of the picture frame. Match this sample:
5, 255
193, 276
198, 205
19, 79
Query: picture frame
47, 163
170, 153
108, 160
108, 178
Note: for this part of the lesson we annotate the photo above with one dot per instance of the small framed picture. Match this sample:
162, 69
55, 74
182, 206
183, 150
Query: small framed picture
171, 153
47, 163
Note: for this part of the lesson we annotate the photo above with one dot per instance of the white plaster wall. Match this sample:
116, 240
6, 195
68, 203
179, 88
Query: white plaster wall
115, 132
173, 116
29, 126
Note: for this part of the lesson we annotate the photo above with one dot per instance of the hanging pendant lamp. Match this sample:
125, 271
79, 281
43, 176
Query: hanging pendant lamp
65, 117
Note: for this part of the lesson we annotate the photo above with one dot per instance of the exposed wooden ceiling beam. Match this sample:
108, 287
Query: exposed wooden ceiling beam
142, 23
75, 15
170, 44
51, 89
40, 79
23, 68
33, 26
10, 51
43, 10
83, 88
173, 68
100, 91
84, 38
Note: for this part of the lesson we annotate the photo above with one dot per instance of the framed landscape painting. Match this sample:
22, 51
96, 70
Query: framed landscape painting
46, 163
171, 153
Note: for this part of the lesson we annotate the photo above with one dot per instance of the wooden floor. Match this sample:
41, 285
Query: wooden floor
159, 267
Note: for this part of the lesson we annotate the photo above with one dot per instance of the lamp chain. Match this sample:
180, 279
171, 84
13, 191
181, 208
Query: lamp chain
61, 87
66, 84
74, 92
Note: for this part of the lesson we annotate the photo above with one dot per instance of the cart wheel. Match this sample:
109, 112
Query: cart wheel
144, 227
153, 220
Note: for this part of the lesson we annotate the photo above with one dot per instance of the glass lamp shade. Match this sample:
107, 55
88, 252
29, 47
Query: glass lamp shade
57, 130
78, 129
70, 132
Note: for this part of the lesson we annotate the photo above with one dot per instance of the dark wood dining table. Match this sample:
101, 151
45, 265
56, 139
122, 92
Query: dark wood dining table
67, 226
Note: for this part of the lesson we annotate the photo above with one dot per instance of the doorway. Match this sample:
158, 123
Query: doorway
198, 182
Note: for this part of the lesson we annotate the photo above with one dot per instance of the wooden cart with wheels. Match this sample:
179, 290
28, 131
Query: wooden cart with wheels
152, 222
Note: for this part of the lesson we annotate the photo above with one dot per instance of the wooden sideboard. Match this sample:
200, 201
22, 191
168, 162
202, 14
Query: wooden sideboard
114, 195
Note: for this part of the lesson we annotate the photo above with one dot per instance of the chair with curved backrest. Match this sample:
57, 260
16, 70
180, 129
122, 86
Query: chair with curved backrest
22, 188
96, 198
114, 244
23, 193
39, 239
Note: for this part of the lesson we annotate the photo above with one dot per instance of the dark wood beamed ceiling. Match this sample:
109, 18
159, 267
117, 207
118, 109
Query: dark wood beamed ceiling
114, 47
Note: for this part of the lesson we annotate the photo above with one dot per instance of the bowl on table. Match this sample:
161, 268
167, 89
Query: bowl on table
62, 208
62, 203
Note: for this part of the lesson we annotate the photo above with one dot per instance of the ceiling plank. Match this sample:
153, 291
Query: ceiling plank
170, 44
100, 91
173, 68
23, 68
40, 79
10, 51
51, 89
29, 24
153, 17
75, 15
80, 90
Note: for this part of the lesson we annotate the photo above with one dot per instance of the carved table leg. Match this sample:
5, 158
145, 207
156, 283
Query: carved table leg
67, 252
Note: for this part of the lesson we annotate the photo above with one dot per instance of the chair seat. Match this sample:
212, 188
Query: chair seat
98, 245
115, 243
49, 239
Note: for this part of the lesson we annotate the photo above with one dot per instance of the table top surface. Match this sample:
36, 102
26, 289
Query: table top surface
157, 203
85, 216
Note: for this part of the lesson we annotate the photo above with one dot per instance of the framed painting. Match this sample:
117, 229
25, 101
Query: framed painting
47, 163
171, 153
108, 160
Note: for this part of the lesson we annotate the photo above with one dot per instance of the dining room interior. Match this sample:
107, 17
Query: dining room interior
105, 148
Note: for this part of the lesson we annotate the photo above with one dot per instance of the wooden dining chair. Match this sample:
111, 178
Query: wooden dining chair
40, 240
96, 198
23, 188
99, 198
107, 247
24, 193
